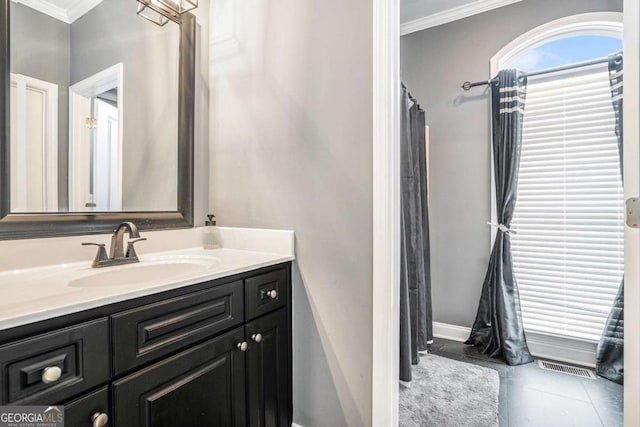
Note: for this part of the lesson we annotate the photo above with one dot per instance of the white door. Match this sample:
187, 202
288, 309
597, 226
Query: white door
107, 194
34, 145
79, 154
632, 235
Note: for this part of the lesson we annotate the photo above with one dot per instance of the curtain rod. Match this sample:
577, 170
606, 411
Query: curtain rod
468, 85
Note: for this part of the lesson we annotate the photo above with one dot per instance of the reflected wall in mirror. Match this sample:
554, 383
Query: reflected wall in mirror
93, 109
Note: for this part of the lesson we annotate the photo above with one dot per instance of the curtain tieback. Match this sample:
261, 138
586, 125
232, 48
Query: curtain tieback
502, 228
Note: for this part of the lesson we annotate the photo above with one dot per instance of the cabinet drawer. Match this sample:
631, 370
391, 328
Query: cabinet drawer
147, 333
266, 293
80, 412
80, 352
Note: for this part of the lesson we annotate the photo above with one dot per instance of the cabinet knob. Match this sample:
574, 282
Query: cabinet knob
257, 337
243, 346
273, 294
99, 419
51, 374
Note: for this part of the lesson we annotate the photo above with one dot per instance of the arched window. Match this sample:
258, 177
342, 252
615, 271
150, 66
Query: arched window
569, 248
605, 24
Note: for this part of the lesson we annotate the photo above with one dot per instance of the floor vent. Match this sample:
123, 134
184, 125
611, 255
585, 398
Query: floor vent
567, 369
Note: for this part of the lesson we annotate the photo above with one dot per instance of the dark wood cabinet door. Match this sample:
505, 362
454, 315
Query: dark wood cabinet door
268, 383
81, 412
203, 386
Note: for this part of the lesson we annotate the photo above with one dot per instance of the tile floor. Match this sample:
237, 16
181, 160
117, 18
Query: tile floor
530, 396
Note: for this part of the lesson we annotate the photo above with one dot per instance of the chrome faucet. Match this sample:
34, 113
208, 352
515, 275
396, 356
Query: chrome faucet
117, 254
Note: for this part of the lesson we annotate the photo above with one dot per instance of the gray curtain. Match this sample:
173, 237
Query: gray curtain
497, 330
609, 357
416, 330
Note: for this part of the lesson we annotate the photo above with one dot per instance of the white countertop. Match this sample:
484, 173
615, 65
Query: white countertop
30, 295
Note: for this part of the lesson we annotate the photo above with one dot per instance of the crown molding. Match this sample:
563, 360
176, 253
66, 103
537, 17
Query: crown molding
68, 15
47, 8
453, 14
79, 8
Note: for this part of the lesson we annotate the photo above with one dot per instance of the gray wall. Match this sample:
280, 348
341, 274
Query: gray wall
40, 48
291, 148
434, 64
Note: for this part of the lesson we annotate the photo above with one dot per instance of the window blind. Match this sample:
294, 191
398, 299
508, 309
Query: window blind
568, 252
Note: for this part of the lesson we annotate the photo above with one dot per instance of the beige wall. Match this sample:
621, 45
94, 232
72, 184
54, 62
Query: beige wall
291, 147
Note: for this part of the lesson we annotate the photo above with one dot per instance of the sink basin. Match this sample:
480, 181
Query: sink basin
145, 272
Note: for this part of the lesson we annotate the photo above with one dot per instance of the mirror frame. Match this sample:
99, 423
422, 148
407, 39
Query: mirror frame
37, 225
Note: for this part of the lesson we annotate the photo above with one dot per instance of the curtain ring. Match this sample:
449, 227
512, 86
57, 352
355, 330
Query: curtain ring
618, 59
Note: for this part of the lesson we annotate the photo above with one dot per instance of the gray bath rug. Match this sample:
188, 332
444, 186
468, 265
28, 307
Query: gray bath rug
448, 393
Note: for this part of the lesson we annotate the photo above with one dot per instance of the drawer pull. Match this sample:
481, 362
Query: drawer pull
257, 338
273, 294
99, 419
243, 346
51, 374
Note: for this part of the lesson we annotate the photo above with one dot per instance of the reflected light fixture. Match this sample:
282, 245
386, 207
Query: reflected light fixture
162, 11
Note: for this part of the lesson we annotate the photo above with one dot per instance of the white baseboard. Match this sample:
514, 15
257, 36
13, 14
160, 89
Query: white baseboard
451, 332
562, 349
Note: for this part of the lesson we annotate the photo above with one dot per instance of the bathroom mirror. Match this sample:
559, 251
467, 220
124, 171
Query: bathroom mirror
97, 124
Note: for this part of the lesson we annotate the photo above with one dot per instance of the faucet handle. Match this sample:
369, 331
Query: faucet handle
101, 256
131, 251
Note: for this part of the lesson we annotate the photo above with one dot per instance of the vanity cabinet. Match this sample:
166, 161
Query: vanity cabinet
211, 354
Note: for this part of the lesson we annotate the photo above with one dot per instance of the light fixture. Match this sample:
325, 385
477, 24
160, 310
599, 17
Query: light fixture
152, 15
179, 6
161, 11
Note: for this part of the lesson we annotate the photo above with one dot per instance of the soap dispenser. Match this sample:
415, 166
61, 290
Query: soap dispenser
211, 235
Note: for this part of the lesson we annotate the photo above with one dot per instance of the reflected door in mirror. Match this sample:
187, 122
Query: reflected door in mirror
34, 145
96, 142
